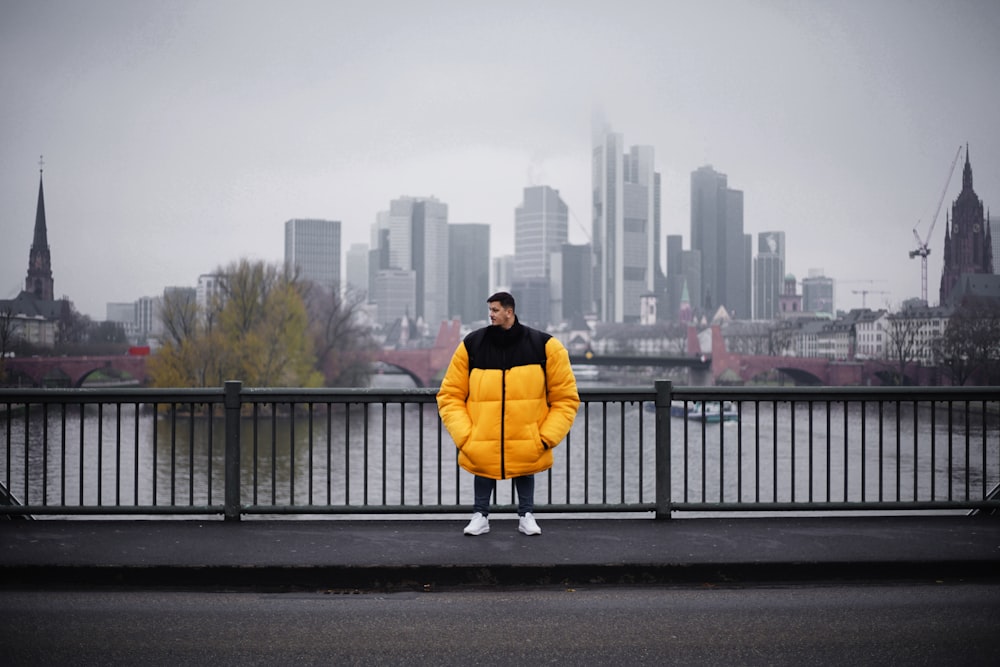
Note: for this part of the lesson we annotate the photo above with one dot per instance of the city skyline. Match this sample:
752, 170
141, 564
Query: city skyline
179, 138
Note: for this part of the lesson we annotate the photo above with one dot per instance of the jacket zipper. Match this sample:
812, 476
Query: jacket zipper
503, 422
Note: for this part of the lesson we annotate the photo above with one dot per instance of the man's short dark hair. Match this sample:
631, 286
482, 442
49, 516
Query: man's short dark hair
504, 298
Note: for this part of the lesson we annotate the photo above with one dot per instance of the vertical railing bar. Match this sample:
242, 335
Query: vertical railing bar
291, 449
439, 464
62, 454
933, 469
985, 462
420, 453
864, 451
45, 454
847, 467
274, 452
792, 407
329, 453
881, 450
916, 450
118, 453
703, 427
739, 451
899, 451
951, 450
811, 457
347, 454
604, 452
586, 453
385, 449
27, 455
209, 458
642, 447
402, 454
156, 449
255, 425
687, 452
968, 451
829, 451
364, 472
774, 451
173, 454
135, 457
569, 467
756, 440
722, 454
621, 460
100, 454
192, 408
310, 410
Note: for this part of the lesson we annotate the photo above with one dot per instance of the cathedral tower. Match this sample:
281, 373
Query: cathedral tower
39, 281
967, 239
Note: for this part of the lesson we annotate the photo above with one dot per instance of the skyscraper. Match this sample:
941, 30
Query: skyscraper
416, 229
577, 282
769, 273
356, 267
683, 281
626, 222
817, 293
469, 271
541, 227
968, 245
717, 233
313, 248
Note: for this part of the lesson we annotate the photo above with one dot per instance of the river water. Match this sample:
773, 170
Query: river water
137, 456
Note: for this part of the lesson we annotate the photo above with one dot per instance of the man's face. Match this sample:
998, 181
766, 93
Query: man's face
500, 316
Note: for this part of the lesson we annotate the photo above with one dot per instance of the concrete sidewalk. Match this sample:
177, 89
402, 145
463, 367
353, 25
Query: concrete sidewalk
348, 555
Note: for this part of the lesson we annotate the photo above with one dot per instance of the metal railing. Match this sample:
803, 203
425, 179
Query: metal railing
236, 451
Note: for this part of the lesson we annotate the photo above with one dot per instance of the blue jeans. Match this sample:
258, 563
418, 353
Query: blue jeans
484, 487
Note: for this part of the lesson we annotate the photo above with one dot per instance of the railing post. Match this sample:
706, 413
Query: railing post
662, 440
231, 403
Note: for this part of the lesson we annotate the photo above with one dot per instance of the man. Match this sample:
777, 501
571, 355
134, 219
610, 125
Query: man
507, 398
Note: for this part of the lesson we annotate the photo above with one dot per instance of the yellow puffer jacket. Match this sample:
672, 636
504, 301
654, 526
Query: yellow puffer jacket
507, 398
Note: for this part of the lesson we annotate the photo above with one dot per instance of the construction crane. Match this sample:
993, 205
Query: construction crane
865, 292
922, 249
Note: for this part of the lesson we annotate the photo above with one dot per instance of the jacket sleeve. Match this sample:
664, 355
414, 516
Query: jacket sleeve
563, 397
453, 395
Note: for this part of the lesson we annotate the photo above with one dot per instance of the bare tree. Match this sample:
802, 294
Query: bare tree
901, 332
970, 346
342, 341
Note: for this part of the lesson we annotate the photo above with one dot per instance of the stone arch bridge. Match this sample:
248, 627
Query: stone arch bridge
73, 371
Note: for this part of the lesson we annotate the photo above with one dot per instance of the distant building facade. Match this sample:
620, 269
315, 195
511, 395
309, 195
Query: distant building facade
717, 234
416, 232
626, 227
313, 248
817, 294
769, 274
468, 271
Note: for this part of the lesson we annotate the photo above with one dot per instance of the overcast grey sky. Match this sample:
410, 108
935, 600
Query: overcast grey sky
179, 136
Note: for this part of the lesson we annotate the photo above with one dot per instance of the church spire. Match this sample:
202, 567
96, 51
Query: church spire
967, 172
41, 239
39, 281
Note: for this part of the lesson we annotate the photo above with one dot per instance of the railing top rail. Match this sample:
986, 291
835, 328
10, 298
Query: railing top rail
428, 394
109, 395
838, 393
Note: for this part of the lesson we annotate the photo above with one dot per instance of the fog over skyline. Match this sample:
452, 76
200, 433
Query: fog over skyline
180, 136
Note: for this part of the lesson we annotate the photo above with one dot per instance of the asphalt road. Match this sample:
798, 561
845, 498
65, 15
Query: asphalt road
884, 624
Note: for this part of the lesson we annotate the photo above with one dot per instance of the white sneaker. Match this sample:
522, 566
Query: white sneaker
479, 525
527, 525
